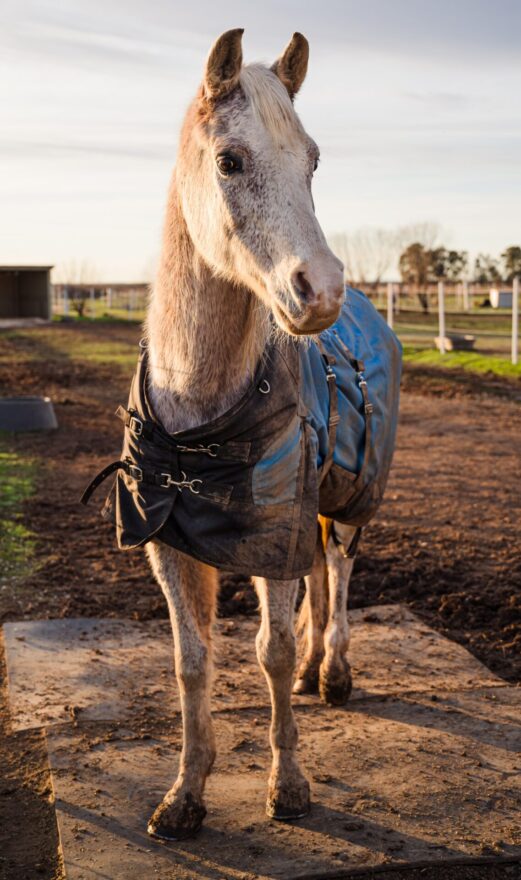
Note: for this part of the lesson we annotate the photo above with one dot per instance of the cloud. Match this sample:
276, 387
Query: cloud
415, 104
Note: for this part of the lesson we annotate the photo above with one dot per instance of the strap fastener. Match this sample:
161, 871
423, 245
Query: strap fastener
167, 480
135, 426
135, 472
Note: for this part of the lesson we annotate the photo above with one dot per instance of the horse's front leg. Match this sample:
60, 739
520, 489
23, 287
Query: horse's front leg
288, 791
190, 589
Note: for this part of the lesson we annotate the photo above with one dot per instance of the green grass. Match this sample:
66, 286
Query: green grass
17, 478
77, 342
474, 362
102, 316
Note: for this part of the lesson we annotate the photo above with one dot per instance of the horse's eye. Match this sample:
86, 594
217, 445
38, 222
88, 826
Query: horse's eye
229, 164
315, 164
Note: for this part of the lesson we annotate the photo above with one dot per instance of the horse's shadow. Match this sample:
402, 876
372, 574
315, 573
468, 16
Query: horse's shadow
216, 855
449, 713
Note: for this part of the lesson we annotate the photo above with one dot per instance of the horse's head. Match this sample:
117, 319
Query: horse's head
244, 175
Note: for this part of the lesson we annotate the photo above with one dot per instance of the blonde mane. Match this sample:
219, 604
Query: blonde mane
270, 102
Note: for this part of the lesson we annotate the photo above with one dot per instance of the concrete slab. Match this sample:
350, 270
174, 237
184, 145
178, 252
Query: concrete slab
394, 781
118, 670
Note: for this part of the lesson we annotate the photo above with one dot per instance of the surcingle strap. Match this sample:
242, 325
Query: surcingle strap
334, 417
368, 411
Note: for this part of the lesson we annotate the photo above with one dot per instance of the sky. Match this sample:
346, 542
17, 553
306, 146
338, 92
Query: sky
416, 106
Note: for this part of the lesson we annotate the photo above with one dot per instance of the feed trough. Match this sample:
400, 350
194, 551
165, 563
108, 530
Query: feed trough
27, 414
456, 342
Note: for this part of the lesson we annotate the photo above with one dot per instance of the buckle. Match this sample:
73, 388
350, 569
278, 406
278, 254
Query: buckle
369, 408
167, 480
135, 472
210, 450
135, 426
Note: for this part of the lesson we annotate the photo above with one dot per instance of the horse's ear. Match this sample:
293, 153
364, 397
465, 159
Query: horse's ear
291, 67
224, 64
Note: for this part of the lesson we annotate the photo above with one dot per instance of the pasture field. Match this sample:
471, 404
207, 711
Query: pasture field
445, 542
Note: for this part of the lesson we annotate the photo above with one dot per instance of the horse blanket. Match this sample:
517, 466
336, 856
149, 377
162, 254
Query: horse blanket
314, 433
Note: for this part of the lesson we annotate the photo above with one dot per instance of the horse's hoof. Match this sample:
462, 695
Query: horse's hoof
306, 684
336, 684
285, 803
177, 820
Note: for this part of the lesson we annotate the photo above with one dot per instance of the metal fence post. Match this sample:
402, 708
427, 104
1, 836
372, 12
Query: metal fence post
390, 304
515, 319
441, 315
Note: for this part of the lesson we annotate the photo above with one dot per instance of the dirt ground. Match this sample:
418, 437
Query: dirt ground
445, 542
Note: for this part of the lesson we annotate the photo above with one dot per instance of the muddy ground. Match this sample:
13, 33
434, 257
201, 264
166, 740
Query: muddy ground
446, 541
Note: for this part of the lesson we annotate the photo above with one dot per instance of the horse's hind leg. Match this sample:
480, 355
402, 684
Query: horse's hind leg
288, 791
312, 621
335, 674
190, 589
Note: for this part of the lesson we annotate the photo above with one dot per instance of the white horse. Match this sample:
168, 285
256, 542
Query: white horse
242, 246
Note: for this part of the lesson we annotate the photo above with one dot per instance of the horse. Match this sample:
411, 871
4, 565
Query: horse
243, 256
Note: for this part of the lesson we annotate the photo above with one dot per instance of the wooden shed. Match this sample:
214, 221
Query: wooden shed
25, 292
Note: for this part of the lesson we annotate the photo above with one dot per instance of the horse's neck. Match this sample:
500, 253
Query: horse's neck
205, 336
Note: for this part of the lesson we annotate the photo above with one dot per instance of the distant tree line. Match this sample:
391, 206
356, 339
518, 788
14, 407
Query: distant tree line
417, 251
420, 265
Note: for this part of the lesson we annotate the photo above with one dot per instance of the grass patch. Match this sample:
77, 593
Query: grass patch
76, 342
17, 543
463, 360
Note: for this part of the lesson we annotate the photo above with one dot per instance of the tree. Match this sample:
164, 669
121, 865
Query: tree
75, 275
367, 253
456, 265
414, 265
419, 265
445, 264
486, 269
426, 233
371, 253
511, 262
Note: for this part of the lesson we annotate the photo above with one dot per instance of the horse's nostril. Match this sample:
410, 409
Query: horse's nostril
302, 285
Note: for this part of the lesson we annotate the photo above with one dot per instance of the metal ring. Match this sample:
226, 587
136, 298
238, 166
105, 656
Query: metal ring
264, 387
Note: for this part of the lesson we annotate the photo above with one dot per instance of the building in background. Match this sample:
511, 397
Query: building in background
25, 292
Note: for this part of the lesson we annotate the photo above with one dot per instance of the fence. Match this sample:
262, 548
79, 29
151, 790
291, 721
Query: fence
117, 301
451, 316
454, 317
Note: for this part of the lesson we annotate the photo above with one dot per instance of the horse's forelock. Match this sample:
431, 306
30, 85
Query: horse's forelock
270, 102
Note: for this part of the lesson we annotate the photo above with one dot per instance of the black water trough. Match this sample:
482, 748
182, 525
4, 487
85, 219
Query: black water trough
27, 414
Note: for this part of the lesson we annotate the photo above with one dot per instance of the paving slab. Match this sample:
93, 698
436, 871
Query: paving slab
120, 670
395, 780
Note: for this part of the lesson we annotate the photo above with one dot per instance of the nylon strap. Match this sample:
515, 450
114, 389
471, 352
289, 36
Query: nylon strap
368, 410
334, 417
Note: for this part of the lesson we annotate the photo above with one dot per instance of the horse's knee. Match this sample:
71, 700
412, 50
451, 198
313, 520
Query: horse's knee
192, 666
276, 651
